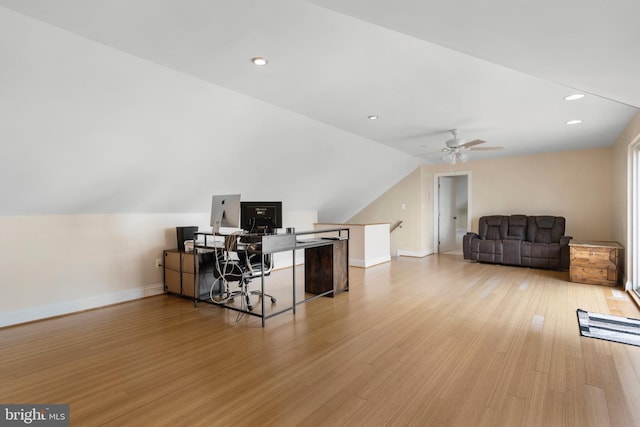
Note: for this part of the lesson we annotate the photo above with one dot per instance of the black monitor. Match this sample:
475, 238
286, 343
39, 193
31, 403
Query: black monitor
260, 217
225, 212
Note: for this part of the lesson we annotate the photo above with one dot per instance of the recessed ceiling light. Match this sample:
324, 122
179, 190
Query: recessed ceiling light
574, 97
574, 122
373, 117
259, 60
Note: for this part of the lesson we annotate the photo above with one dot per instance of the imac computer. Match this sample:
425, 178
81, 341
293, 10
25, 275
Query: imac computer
260, 217
225, 212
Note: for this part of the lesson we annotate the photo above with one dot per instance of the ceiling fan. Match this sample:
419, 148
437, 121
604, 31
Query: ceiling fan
456, 148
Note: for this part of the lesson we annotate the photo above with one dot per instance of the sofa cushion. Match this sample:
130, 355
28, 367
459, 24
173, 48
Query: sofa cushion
493, 227
511, 251
542, 255
517, 227
545, 229
487, 250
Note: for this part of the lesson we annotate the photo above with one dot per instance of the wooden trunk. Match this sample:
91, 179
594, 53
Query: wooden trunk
596, 263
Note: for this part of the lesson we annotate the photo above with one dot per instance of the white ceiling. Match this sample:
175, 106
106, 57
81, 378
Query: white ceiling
497, 69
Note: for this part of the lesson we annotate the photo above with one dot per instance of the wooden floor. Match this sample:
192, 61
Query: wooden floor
436, 341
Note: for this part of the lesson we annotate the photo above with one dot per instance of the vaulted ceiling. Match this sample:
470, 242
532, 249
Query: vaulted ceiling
498, 70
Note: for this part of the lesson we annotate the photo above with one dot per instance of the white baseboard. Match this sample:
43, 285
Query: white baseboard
415, 254
368, 262
74, 306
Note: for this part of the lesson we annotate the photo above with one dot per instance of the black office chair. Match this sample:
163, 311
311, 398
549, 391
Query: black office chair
255, 271
241, 269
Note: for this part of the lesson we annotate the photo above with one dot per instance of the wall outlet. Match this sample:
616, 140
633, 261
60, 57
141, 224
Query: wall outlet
158, 262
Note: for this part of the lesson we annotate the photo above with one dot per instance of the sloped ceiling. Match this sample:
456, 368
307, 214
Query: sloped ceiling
588, 45
152, 106
88, 129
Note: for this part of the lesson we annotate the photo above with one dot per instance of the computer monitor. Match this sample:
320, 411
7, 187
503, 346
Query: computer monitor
225, 212
260, 217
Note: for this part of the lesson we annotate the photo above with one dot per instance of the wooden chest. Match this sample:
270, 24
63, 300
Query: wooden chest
596, 263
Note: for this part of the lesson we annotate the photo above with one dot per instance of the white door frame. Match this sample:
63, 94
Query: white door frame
633, 216
436, 201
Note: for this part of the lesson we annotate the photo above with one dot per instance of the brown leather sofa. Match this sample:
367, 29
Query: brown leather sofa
530, 241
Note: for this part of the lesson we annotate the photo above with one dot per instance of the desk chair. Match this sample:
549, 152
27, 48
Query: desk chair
242, 269
255, 271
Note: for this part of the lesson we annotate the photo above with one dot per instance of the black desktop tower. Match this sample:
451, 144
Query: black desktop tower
185, 233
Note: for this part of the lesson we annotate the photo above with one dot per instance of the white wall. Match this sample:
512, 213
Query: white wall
405, 202
57, 264
369, 244
573, 184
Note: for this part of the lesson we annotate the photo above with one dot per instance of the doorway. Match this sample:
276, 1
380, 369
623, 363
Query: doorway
451, 211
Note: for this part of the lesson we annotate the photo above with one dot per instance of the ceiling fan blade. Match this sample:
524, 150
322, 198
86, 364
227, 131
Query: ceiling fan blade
472, 143
486, 148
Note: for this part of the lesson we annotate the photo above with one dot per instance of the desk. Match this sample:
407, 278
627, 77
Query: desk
328, 256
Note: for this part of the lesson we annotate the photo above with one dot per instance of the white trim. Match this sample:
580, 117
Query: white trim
436, 200
414, 254
368, 262
633, 216
68, 307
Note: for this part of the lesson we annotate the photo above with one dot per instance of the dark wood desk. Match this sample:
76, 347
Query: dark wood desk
326, 268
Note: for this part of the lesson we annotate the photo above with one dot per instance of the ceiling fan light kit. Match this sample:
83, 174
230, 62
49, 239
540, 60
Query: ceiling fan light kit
454, 155
449, 158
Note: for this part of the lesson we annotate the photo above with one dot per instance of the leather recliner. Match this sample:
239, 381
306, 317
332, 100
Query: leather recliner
531, 241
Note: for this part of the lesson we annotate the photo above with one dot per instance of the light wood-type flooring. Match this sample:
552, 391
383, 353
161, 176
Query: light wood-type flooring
436, 341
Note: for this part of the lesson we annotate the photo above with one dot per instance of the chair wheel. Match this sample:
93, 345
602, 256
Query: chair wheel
273, 300
250, 308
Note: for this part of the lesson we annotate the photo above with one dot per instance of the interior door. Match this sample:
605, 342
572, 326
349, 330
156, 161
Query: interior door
446, 214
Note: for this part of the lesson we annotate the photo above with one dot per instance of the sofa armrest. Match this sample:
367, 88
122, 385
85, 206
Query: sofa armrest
564, 251
466, 244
